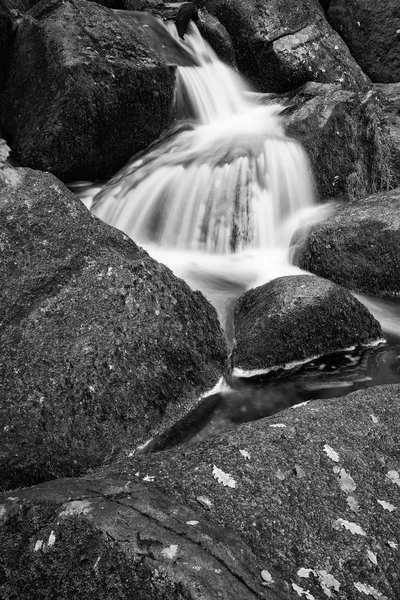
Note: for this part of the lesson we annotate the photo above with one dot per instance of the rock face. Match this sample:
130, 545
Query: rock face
101, 346
327, 120
296, 318
370, 30
217, 36
306, 500
84, 90
281, 45
390, 96
357, 247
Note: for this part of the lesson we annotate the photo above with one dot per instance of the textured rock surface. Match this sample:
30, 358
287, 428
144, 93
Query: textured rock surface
390, 97
371, 31
217, 36
346, 138
84, 90
357, 247
280, 45
316, 489
83, 539
100, 345
296, 318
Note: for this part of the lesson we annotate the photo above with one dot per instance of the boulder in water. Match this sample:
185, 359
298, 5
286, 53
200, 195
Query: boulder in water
371, 31
84, 91
282, 44
357, 247
346, 138
296, 318
306, 500
101, 346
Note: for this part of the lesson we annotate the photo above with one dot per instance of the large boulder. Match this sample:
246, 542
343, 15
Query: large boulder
301, 504
281, 44
86, 88
101, 346
296, 318
358, 246
327, 120
371, 31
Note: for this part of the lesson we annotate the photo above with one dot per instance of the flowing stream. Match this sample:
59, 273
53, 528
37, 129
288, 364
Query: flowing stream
217, 199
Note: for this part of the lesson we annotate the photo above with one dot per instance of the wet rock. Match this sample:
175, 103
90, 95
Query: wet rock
85, 90
371, 31
101, 346
327, 119
313, 488
280, 45
87, 539
296, 318
217, 36
357, 247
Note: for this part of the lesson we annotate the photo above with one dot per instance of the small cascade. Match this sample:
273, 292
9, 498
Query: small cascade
224, 180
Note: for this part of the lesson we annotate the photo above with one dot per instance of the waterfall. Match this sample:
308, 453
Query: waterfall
222, 182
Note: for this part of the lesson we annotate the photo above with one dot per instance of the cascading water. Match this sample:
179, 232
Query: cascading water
223, 183
218, 196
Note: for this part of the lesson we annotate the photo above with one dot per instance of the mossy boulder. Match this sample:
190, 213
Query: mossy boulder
296, 318
85, 90
327, 120
282, 44
371, 31
101, 346
357, 247
305, 500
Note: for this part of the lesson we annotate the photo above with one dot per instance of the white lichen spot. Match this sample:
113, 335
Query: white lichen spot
149, 478
374, 419
96, 563
218, 571
266, 576
301, 592
386, 505
170, 552
358, 23
336, 469
196, 568
304, 572
76, 507
109, 271
352, 527
346, 482
327, 582
353, 504
331, 453
393, 544
278, 425
192, 522
224, 478
38, 545
300, 405
373, 557
245, 454
52, 539
204, 501
300, 472
281, 475
368, 590
394, 477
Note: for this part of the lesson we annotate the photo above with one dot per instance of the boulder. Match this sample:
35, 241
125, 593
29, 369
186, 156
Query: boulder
371, 31
282, 44
85, 90
357, 247
217, 36
101, 346
300, 504
296, 318
326, 120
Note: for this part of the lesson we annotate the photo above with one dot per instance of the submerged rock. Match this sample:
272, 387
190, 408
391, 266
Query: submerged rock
306, 500
346, 138
296, 318
101, 346
85, 90
371, 31
280, 45
357, 247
